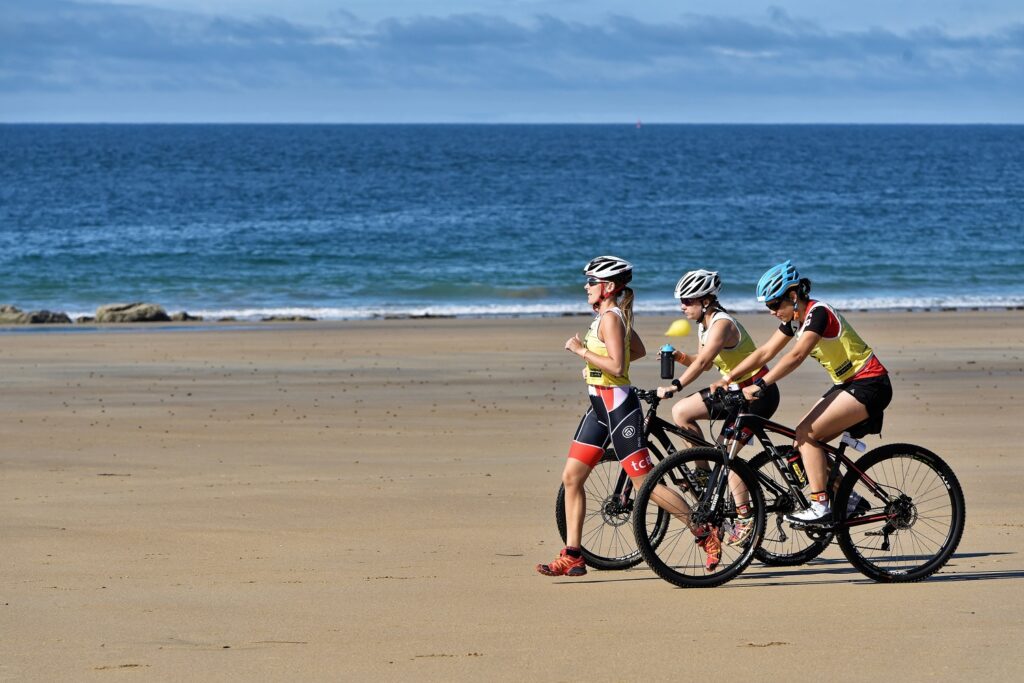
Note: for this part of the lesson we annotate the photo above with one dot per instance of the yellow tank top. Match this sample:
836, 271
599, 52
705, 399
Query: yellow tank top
596, 375
727, 359
842, 356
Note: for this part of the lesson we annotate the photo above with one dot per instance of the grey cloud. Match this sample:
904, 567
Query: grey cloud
52, 44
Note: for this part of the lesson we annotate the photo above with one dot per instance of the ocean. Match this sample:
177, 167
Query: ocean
360, 221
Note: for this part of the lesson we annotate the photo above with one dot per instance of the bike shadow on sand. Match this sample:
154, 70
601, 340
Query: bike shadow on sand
823, 571
838, 570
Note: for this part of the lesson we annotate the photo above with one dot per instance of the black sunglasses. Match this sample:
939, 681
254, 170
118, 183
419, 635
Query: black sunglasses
775, 305
688, 302
591, 281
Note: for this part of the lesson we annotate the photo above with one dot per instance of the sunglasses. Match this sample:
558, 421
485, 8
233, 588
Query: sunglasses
775, 305
689, 302
591, 281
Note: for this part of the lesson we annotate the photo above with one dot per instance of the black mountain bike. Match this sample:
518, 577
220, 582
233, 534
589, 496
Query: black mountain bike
899, 509
608, 541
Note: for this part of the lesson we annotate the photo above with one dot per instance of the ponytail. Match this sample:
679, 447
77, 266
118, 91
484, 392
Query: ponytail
804, 289
626, 306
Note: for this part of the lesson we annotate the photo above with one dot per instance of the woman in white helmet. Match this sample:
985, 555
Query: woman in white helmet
615, 415
723, 342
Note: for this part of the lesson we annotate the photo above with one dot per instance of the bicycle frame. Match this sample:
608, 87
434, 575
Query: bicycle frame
759, 427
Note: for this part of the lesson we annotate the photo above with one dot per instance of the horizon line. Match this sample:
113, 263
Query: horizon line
636, 123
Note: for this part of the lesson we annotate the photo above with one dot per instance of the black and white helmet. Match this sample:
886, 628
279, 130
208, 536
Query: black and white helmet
610, 268
697, 284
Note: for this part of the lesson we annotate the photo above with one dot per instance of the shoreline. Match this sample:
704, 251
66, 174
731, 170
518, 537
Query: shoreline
286, 324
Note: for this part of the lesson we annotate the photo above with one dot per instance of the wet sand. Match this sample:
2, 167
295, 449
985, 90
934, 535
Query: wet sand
367, 500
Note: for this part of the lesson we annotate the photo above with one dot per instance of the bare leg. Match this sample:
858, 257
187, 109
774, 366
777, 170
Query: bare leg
825, 421
686, 412
574, 476
667, 500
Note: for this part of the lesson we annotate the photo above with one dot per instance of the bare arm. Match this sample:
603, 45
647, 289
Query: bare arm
792, 360
706, 353
755, 360
613, 333
788, 363
637, 350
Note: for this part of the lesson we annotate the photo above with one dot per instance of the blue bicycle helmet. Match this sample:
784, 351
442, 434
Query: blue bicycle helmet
777, 281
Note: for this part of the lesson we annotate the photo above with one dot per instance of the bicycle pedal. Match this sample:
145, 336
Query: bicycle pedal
812, 526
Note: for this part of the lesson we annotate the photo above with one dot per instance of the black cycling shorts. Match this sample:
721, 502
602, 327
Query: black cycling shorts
874, 393
764, 405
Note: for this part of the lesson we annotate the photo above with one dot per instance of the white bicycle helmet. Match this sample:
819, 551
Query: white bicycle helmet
698, 283
611, 268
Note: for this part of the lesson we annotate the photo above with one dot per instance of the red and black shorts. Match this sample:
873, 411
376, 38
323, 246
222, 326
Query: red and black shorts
614, 418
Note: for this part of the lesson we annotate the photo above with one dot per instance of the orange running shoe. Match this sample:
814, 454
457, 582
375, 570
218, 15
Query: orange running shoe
712, 545
741, 530
565, 565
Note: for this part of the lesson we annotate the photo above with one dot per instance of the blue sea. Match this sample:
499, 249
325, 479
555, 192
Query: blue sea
358, 221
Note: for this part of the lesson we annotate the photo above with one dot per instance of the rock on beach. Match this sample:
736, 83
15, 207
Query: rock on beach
131, 313
12, 315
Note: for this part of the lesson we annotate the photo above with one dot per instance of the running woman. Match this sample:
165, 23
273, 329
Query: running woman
614, 415
723, 342
861, 388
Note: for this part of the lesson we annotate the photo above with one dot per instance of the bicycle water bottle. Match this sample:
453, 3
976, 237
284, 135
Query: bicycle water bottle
668, 361
796, 466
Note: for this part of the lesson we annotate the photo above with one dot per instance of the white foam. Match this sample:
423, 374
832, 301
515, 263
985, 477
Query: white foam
555, 308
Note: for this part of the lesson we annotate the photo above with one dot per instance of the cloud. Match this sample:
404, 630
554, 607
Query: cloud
55, 45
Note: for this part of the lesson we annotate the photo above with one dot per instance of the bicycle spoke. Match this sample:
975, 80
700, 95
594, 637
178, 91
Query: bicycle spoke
924, 515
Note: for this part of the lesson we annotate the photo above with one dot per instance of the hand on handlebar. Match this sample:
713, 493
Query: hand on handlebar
752, 392
666, 392
719, 384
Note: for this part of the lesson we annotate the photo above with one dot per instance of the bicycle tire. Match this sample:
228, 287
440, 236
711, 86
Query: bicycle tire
608, 541
674, 554
783, 546
925, 518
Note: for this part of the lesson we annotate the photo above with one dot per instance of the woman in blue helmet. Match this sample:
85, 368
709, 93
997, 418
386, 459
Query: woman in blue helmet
861, 389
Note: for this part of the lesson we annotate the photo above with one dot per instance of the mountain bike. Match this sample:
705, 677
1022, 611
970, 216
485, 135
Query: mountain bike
608, 541
899, 510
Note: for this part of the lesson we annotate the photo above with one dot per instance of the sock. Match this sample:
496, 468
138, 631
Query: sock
573, 552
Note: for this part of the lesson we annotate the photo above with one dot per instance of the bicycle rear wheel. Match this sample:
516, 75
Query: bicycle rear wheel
783, 546
911, 531
608, 541
674, 553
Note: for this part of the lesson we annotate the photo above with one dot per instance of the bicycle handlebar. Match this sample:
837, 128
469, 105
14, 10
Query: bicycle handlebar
732, 399
648, 395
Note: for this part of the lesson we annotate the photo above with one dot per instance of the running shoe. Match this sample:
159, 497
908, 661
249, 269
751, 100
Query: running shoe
741, 530
711, 542
565, 565
815, 514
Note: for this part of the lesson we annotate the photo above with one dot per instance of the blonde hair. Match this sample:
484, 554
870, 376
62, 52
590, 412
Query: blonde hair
626, 306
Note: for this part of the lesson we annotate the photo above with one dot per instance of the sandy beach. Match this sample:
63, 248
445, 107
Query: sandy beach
367, 500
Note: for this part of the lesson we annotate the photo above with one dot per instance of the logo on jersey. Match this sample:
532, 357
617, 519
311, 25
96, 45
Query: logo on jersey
629, 431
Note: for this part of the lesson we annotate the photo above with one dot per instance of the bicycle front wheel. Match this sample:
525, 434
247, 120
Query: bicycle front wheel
783, 546
679, 553
916, 518
608, 541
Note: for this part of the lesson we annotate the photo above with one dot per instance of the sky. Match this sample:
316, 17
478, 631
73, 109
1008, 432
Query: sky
512, 61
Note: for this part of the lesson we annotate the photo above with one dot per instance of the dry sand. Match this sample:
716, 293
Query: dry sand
367, 500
